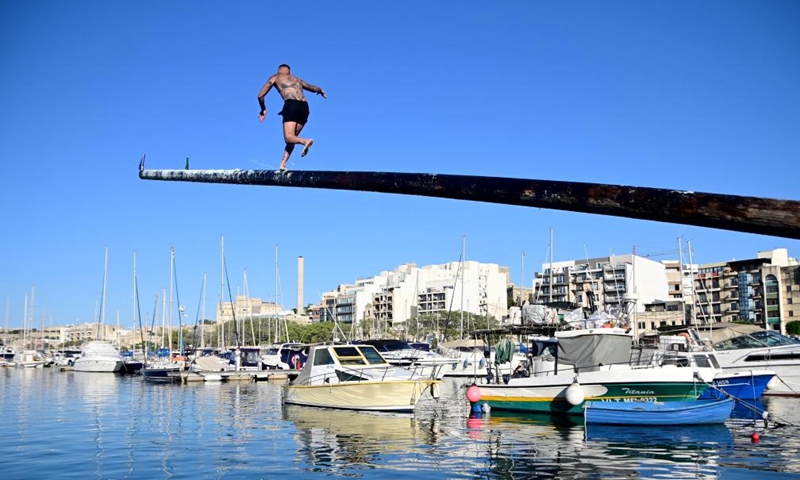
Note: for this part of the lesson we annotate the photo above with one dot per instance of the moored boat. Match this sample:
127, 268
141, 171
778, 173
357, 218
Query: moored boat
29, 359
588, 364
741, 384
750, 348
692, 412
356, 377
98, 356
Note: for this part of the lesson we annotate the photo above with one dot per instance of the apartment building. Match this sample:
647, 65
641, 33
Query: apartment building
625, 283
764, 290
393, 297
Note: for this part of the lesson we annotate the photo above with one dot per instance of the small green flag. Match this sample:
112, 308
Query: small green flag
187, 163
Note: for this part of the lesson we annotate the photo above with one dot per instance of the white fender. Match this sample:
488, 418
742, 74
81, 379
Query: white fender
574, 394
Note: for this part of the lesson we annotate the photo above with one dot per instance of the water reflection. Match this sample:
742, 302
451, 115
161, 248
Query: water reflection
331, 440
84, 425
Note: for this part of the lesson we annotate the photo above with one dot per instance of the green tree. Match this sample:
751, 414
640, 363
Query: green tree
793, 328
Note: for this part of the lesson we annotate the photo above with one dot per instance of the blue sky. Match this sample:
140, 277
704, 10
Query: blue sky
701, 96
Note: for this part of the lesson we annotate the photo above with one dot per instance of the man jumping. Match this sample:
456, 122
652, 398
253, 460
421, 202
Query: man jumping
295, 109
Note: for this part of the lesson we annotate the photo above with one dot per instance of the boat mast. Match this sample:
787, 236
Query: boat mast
31, 313
171, 295
221, 326
276, 338
103, 300
203, 314
550, 290
25, 323
163, 316
135, 301
683, 288
691, 277
5, 330
463, 253
521, 281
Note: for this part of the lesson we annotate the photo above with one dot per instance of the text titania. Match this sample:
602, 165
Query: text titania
630, 391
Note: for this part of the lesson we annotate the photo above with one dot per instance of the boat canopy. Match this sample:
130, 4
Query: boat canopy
596, 347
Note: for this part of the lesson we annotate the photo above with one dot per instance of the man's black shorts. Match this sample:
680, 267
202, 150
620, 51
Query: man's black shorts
295, 111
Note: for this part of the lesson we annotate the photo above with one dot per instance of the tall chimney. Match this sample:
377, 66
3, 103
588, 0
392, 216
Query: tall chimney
300, 285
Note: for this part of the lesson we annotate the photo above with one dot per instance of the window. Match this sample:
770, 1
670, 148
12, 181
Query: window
323, 357
349, 356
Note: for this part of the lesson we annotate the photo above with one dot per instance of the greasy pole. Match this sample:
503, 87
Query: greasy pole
766, 216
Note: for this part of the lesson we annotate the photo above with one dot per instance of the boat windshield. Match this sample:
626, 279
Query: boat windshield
349, 355
755, 340
706, 361
372, 355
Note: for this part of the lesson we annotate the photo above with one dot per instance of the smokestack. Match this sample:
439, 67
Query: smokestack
300, 285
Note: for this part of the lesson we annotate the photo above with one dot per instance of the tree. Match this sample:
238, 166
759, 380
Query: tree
793, 328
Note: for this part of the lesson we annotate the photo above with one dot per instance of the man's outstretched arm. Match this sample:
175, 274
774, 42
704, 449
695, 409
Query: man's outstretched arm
313, 88
263, 93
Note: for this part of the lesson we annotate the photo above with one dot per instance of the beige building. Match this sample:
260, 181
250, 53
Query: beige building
764, 290
247, 308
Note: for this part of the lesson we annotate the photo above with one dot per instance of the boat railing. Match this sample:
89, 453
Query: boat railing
345, 374
353, 375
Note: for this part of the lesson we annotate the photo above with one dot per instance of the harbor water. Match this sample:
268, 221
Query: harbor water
92, 425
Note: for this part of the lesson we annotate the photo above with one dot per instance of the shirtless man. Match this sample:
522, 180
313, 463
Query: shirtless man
295, 109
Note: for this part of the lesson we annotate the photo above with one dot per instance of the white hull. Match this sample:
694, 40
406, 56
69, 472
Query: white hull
787, 379
97, 365
99, 356
29, 359
391, 396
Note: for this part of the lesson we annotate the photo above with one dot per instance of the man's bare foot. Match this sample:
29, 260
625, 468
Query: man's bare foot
308, 145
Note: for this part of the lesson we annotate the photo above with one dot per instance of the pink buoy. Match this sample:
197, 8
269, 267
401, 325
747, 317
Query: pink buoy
755, 437
473, 394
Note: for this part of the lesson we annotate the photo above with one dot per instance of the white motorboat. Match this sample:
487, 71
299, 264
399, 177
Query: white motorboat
356, 377
98, 356
745, 348
29, 359
284, 356
400, 353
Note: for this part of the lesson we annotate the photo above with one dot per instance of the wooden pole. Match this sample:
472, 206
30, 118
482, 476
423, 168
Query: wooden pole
766, 216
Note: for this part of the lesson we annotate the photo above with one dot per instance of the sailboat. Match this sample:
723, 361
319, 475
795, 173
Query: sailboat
160, 371
100, 355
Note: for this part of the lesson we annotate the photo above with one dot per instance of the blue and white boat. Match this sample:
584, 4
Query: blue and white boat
741, 384
691, 412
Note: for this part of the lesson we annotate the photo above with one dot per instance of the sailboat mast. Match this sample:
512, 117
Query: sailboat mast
220, 320
135, 299
25, 323
203, 314
171, 295
550, 298
277, 319
163, 316
691, 277
463, 253
5, 330
680, 274
32, 307
521, 280
103, 299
